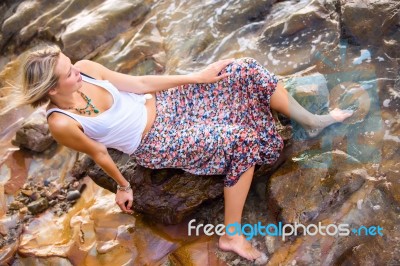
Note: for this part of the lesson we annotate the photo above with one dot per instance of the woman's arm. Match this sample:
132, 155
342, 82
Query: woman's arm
67, 133
153, 83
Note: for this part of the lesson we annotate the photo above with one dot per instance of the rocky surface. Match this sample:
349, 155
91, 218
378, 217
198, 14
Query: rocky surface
330, 53
34, 133
166, 195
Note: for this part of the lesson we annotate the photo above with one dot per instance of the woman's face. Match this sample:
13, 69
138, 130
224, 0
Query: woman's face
69, 77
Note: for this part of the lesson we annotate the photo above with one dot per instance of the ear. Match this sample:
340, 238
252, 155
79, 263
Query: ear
53, 91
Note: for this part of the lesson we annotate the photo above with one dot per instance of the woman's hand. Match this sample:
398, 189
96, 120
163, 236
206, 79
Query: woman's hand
122, 197
210, 73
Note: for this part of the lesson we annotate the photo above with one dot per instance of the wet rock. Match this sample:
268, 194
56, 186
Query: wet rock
16, 205
341, 249
23, 210
60, 197
10, 229
289, 40
38, 206
34, 133
27, 192
320, 188
52, 193
166, 195
75, 184
35, 195
73, 195
81, 187
360, 20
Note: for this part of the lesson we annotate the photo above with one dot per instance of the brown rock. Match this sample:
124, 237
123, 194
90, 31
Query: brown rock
34, 133
52, 193
38, 206
61, 197
27, 192
23, 210
166, 195
35, 195
320, 186
16, 205
372, 22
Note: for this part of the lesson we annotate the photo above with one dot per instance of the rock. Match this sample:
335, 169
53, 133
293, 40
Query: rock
290, 40
165, 195
320, 188
360, 20
73, 195
16, 205
23, 210
38, 206
61, 197
81, 187
35, 195
34, 133
75, 184
52, 202
52, 193
27, 192
10, 229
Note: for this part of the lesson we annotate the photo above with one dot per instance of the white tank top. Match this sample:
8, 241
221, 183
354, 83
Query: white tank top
121, 126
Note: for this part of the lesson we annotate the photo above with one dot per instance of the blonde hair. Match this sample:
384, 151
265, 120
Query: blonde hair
38, 77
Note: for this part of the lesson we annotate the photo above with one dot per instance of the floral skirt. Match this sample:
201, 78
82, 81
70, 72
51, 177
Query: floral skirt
216, 128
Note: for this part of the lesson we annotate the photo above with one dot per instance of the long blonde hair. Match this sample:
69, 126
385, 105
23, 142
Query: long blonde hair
38, 77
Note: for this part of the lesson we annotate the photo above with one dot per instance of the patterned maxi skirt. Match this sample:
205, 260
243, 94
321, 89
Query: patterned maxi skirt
216, 128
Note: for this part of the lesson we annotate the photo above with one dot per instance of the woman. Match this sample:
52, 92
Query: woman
216, 121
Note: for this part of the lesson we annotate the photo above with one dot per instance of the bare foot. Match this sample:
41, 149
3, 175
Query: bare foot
239, 245
340, 115
322, 121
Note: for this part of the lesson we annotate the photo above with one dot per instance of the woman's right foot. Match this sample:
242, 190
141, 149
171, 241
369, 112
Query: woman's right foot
239, 245
322, 121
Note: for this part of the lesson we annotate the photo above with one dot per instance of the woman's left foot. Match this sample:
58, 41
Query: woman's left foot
322, 121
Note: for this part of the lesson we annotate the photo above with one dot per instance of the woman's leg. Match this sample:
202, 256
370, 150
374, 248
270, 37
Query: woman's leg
284, 103
235, 197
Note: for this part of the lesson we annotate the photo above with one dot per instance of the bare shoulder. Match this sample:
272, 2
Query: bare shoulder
60, 124
90, 68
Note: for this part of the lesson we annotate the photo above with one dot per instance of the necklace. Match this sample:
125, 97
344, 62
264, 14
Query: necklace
86, 109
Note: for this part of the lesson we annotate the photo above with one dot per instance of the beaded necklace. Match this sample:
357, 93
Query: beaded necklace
89, 104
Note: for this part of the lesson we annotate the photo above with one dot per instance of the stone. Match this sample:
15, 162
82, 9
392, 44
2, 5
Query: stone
51, 193
38, 206
292, 41
320, 188
360, 20
27, 192
34, 134
35, 195
23, 210
60, 197
73, 195
16, 205
165, 195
